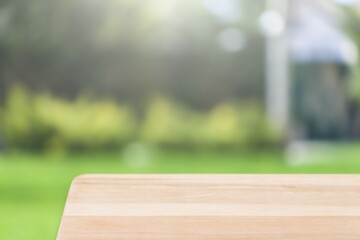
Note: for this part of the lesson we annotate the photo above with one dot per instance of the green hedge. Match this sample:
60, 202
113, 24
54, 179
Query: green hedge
43, 122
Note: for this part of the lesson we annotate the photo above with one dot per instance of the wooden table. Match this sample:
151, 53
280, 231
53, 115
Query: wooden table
221, 207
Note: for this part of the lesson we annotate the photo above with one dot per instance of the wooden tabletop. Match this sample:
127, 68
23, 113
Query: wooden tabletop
221, 207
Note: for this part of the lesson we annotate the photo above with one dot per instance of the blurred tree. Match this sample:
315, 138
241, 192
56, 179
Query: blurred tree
5, 14
130, 49
351, 19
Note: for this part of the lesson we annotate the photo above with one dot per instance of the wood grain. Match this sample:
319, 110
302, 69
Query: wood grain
221, 207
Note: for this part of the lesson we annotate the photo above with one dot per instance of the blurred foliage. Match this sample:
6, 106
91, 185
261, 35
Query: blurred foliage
227, 125
166, 123
44, 122
233, 125
350, 18
130, 49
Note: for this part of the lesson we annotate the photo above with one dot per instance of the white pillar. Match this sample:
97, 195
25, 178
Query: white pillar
277, 64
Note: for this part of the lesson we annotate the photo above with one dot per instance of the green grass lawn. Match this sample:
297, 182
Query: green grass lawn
33, 187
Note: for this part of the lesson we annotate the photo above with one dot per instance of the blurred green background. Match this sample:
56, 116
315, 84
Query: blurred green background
170, 86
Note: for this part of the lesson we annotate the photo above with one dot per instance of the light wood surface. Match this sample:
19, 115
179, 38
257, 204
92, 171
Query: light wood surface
221, 207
